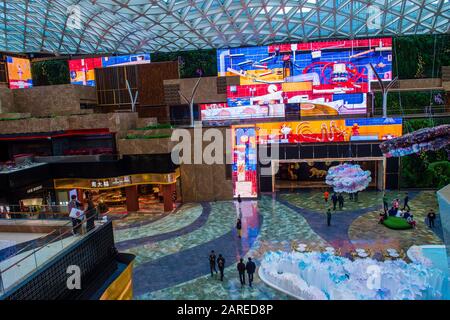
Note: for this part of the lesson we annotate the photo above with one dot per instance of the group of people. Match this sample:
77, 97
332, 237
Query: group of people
89, 213
336, 199
395, 211
249, 267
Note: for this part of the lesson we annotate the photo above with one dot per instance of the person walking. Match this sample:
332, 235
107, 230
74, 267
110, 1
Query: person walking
239, 228
239, 200
334, 198
221, 265
326, 195
405, 202
328, 217
341, 201
385, 202
241, 270
251, 268
431, 217
76, 223
212, 262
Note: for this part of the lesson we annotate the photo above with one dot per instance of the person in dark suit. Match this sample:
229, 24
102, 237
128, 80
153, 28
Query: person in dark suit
334, 198
405, 202
221, 265
239, 227
431, 217
341, 201
212, 262
241, 270
328, 217
251, 268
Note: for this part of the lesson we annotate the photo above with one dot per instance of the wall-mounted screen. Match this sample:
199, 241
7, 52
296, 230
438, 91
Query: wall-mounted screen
311, 101
19, 73
223, 111
244, 162
327, 62
82, 70
339, 130
324, 78
126, 60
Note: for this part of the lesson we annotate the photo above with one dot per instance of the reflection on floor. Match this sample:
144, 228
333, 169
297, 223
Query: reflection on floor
147, 204
172, 251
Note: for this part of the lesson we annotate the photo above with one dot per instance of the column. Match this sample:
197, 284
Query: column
131, 193
167, 195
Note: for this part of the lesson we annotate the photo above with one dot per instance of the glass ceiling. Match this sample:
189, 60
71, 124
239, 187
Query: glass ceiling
126, 26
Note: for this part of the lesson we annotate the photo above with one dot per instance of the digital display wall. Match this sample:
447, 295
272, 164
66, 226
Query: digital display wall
223, 111
339, 130
82, 70
324, 78
244, 162
19, 73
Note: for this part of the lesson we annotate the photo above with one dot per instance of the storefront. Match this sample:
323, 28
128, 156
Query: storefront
128, 191
272, 156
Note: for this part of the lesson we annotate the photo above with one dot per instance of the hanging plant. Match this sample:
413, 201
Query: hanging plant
420, 67
426, 139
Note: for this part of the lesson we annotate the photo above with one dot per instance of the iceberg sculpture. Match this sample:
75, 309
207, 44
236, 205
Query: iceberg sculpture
324, 276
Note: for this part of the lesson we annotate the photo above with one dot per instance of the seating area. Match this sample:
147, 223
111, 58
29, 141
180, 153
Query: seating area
354, 253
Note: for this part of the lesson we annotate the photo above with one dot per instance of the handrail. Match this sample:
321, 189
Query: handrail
44, 245
32, 242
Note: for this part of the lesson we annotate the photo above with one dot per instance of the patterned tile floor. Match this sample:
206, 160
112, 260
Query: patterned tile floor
171, 252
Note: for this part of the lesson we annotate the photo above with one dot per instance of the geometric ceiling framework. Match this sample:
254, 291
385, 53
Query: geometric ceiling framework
127, 26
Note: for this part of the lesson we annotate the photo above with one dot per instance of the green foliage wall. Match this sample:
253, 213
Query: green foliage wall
191, 62
411, 102
427, 169
50, 72
414, 55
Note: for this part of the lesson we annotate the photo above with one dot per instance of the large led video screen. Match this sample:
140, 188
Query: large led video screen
223, 111
126, 60
339, 130
82, 70
324, 78
244, 162
19, 73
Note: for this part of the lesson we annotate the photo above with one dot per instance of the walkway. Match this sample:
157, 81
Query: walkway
191, 263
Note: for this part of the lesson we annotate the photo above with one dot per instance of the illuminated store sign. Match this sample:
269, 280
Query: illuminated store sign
117, 182
37, 188
339, 130
112, 182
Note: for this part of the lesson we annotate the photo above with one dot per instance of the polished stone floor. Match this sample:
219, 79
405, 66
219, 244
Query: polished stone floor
172, 249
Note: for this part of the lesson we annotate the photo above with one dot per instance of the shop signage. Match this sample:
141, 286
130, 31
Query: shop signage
37, 188
111, 182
